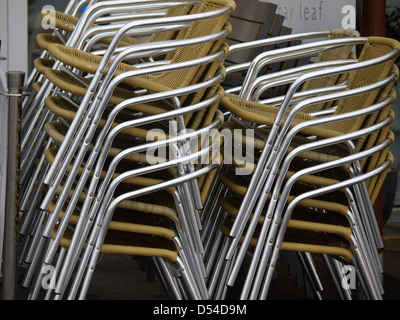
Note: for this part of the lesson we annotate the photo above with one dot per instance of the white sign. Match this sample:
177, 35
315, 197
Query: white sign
316, 15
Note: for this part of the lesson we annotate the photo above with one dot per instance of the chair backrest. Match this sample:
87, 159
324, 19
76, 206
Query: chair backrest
89, 63
375, 47
339, 53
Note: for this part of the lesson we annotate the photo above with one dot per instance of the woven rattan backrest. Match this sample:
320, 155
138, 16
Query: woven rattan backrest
375, 47
89, 63
338, 53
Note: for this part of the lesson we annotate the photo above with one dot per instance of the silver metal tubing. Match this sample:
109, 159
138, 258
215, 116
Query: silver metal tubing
105, 188
323, 190
337, 267
218, 267
263, 83
15, 82
136, 32
36, 108
266, 160
99, 73
104, 8
142, 99
30, 152
169, 282
186, 235
137, 6
99, 110
274, 58
74, 11
271, 161
137, 122
363, 244
334, 275
28, 204
277, 163
271, 208
308, 94
274, 40
290, 182
124, 153
95, 34
362, 204
93, 85
72, 4
131, 16
85, 22
288, 53
32, 76
98, 235
310, 273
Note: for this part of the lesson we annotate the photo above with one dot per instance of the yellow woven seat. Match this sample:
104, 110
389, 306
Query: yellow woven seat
161, 205
135, 243
63, 21
36, 86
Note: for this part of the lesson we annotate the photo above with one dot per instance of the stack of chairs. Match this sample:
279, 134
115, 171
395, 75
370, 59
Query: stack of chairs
119, 142
132, 143
320, 158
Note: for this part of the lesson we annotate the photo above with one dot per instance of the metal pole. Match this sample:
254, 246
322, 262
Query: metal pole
15, 81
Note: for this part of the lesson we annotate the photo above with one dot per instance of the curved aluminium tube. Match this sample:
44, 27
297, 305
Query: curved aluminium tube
263, 83
94, 119
272, 168
73, 9
122, 154
79, 6
46, 87
85, 174
266, 42
89, 31
71, 6
146, 5
113, 18
89, 17
288, 53
95, 11
276, 101
110, 32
